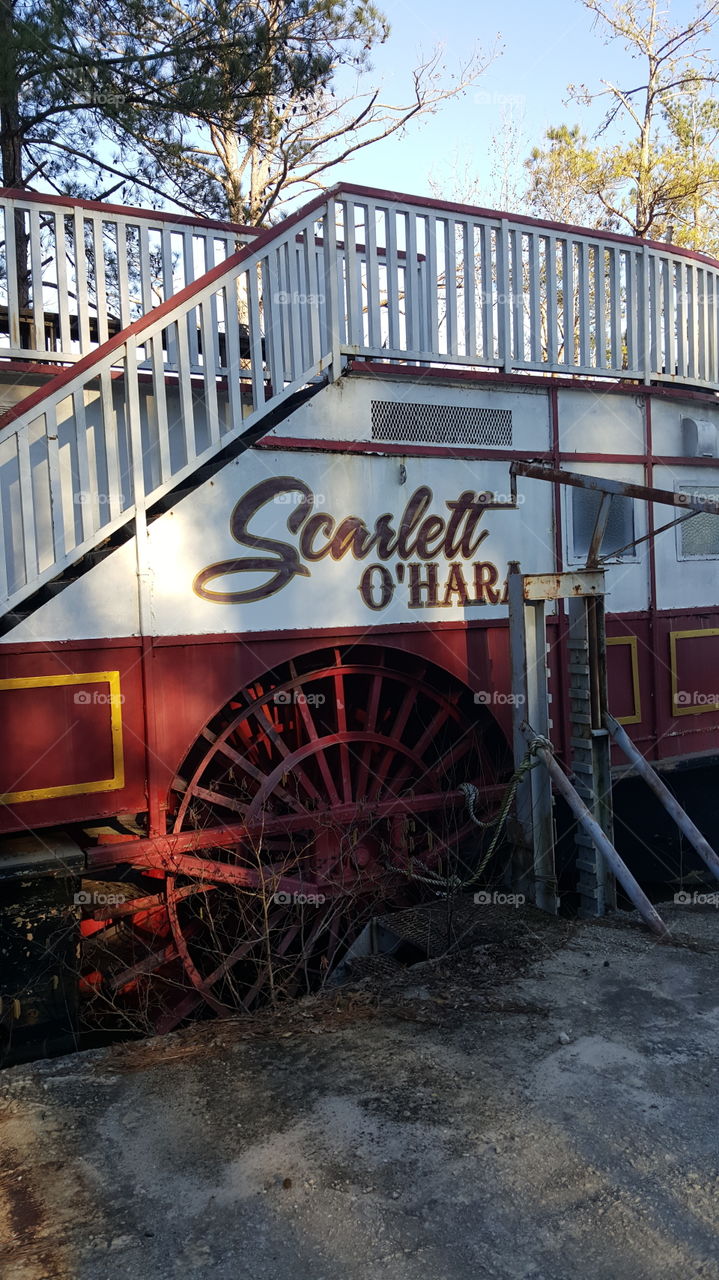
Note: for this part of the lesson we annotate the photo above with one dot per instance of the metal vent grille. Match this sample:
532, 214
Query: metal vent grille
440, 424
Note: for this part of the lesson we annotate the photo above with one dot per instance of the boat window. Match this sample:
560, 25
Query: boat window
699, 537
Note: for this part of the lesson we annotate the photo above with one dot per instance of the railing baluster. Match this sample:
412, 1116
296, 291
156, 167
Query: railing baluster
273, 321
469, 290
355, 336
600, 307
567, 250
209, 370
11, 266
314, 286
487, 258
374, 321
552, 316
393, 280
83, 314
516, 296
295, 312
187, 408
503, 311
644, 315
160, 396
450, 271
701, 323
123, 275
38, 305
88, 496
411, 286
535, 319
27, 505
57, 515
65, 339
585, 355
255, 326
693, 325
100, 286
108, 418
615, 309
134, 427
232, 356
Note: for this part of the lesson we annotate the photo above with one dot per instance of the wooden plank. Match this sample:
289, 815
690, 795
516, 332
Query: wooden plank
355, 327
232, 331
61, 280
100, 287
38, 308
255, 327
374, 322
112, 463
81, 281
57, 515
27, 505
450, 291
89, 503
469, 290
187, 408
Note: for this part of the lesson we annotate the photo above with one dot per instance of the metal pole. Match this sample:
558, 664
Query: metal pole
592, 827
671, 804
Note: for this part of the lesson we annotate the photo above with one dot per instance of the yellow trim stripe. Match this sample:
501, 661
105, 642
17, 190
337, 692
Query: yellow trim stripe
704, 708
636, 715
117, 781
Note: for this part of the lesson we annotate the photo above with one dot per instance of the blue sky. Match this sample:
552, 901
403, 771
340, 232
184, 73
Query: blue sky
545, 45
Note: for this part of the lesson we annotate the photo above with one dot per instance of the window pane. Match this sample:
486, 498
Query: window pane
620, 525
700, 535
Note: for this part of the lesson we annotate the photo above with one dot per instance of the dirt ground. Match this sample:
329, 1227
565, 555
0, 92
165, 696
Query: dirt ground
543, 1104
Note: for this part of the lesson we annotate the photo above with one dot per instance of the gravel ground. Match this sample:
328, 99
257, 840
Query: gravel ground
542, 1104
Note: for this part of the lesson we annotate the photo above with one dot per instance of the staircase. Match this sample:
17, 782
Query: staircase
177, 340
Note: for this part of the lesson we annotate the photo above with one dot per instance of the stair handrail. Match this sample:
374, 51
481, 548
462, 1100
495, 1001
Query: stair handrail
280, 286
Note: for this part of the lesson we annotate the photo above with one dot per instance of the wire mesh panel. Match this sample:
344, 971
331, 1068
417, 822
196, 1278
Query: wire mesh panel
441, 424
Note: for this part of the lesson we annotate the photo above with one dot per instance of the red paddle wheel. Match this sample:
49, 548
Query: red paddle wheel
341, 771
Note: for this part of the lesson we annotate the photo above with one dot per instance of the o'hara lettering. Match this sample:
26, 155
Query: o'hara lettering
413, 544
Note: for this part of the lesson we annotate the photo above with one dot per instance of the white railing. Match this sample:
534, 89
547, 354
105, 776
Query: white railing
442, 284
73, 274
354, 274
111, 435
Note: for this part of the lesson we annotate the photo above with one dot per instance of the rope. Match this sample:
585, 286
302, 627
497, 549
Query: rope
452, 884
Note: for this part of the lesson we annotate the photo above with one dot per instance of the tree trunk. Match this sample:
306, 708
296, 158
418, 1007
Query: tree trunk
10, 124
11, 147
